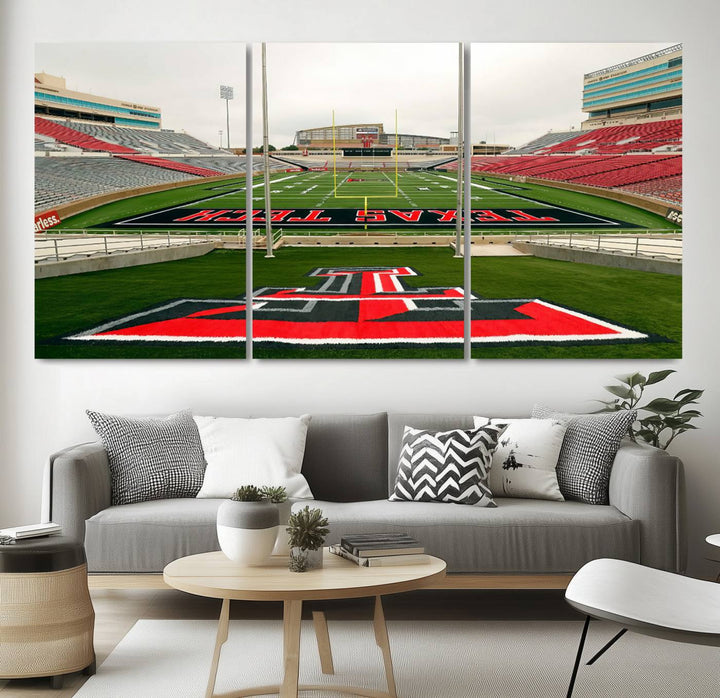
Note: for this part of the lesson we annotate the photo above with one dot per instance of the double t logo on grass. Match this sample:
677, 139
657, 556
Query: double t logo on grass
360, 306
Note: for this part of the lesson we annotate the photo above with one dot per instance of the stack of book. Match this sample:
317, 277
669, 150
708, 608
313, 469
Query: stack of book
31, 531
380, 549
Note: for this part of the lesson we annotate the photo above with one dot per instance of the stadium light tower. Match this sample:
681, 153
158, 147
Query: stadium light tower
266, 159
460, 146
227, 93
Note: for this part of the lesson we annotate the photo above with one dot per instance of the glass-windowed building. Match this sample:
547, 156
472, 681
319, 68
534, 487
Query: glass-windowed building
54, 100
362, 136
648, 88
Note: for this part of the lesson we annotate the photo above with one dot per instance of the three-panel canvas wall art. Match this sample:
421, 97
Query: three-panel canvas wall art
409, 201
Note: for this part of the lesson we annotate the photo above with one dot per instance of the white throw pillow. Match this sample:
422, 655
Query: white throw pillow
525, 459
257, 452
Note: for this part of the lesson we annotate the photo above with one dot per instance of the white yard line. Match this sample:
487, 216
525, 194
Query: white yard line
199, 201
409, 200
542, 203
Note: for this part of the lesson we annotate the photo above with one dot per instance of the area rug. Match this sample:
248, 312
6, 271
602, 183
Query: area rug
436, 659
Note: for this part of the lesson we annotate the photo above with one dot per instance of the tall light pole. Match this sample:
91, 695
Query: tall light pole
227, 93
266, 159
460, 144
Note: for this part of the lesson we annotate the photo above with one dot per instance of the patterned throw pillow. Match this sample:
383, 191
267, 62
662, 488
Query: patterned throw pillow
151, 458
446, 466
524, 462
588, 451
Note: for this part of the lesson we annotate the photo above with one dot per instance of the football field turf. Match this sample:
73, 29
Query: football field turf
77, 305
355, 302
500, 205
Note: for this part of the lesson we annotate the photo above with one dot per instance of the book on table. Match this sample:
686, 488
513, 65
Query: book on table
31, 531
379, 561
381, 544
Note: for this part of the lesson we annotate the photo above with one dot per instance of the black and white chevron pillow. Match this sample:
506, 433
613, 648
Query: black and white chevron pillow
446, 466
151, 458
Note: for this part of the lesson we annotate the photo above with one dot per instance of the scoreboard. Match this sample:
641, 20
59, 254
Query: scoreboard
366, 152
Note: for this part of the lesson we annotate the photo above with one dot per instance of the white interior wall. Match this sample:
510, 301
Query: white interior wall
43, 402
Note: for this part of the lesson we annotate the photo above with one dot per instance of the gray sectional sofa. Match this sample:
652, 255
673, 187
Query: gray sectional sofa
350, 463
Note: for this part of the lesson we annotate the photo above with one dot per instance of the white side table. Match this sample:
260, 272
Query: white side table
714, 540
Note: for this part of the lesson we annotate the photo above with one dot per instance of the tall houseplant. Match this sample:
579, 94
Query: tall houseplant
665, 418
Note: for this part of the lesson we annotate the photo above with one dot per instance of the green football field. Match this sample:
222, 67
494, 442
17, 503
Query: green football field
644, 301
376, 189
81, 306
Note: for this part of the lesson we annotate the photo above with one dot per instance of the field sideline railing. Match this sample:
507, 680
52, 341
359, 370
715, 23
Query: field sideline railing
652, 243
54, 247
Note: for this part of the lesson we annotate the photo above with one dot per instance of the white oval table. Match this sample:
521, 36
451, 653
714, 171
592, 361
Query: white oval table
214, 575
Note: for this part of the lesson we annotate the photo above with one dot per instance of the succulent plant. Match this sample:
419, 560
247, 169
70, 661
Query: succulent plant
277, 495
298, 561
307, 529
248, 493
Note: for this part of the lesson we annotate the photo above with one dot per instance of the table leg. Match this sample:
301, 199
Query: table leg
383, 642
222, 634
323, 641
292, 614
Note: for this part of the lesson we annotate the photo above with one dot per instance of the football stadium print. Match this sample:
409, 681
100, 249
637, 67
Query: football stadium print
396, 229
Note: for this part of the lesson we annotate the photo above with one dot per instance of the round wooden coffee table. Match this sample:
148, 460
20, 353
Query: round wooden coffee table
213, 575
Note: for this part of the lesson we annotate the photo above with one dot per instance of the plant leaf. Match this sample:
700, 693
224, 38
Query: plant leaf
662, 405
632, 379
657, 376
621, 391
687, 396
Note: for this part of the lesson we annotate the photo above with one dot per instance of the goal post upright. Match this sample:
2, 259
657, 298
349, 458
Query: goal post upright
396, 154
334, 156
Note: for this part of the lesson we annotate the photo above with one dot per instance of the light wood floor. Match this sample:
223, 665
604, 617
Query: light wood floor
117, 610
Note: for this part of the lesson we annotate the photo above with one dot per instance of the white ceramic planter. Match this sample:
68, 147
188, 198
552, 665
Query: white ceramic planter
282, 541
247, 531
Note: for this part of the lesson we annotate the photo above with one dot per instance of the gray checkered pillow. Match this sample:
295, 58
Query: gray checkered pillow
588, 451
151, 458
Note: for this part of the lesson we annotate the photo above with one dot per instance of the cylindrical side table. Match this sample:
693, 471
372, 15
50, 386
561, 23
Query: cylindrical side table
46, 616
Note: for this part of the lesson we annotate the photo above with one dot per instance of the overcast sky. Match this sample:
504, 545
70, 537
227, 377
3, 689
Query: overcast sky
519, 91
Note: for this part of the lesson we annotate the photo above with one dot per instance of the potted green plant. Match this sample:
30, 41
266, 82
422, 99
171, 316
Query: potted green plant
661, 419
307, 529
247, 526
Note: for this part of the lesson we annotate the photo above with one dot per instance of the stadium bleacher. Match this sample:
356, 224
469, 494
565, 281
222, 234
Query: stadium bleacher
540, 144
63, 180
79, 139
147, 141
668, 189
640, 158
623, 139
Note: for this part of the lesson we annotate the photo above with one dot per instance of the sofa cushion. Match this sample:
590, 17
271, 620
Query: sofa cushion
396, 424
525, 460
588, 451
146, 536
446, 466
262, 451
519, 536
346, 457
151, 457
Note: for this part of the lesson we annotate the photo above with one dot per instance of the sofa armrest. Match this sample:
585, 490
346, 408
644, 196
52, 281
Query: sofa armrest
647, 485
77, 484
